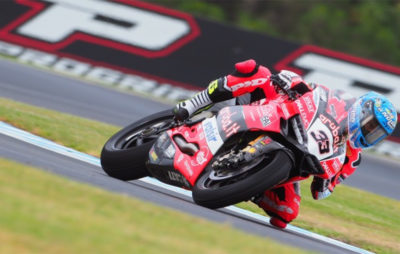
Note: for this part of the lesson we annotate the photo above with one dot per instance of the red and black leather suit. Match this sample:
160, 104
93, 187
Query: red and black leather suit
282, 202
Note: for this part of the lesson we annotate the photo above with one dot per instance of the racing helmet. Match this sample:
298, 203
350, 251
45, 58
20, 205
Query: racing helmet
371, 119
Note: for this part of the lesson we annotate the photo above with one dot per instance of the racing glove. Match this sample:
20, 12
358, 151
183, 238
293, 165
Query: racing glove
185, 109
283, 80
321, 188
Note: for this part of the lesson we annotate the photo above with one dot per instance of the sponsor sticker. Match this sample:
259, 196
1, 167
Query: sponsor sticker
303, 113
228, 126
254, 82
213, 138
188, 168
320, 140
212, 86
265, 121
201, 157
153, 155
389, 116
170, 151
309, 104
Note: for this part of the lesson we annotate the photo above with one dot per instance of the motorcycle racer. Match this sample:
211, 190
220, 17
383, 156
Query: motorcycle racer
355, 124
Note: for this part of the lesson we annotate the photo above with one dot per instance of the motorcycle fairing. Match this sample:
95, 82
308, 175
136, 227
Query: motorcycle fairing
211, 133
326, 130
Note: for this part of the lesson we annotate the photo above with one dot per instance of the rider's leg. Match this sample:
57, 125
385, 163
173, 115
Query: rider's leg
281, 203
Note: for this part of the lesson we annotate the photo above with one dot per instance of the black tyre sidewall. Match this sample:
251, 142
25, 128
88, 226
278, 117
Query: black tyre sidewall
272, 174
129, 164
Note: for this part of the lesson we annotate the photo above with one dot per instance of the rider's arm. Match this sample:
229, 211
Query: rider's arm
248, 76
353, 159
322, 188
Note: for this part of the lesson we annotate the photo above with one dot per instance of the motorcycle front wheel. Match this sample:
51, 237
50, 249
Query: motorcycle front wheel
219, 189
125, 153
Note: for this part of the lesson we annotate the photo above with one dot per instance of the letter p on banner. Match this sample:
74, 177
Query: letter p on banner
132, 26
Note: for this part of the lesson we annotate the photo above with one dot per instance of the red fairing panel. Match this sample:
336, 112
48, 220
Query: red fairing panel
265, 117
307, 108
210, 134
331, 167
328, 130
191, 166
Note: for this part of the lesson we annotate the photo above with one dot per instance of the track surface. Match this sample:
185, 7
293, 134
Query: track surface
39, 88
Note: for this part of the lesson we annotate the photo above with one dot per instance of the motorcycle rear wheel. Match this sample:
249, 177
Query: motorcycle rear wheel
264, 174
125, 153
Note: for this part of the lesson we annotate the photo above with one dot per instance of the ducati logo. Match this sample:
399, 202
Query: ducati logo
348, 73
131, 26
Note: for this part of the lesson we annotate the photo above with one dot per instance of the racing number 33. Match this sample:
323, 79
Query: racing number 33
322, 140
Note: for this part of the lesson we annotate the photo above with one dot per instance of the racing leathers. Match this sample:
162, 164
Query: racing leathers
282, 202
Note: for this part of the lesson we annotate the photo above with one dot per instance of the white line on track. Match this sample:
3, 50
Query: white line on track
27, 137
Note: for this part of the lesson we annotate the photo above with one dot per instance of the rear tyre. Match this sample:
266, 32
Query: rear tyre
125, 153
264, 173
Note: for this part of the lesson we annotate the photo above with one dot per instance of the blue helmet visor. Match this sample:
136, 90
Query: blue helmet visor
370, 127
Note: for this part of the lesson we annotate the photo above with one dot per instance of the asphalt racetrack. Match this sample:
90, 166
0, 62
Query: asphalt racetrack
41, 88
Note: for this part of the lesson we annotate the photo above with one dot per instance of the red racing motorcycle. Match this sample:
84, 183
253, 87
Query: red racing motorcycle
231, 155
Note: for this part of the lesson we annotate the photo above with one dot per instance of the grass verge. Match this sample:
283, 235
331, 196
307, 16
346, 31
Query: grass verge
351, 215
44, 213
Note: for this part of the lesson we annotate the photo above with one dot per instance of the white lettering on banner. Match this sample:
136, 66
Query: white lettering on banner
140, 28
8, 49
340, 74
105, 75
37, 58
137, 83
70, 66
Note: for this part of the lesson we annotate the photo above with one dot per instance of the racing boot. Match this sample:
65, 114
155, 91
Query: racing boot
281, 203
183, 110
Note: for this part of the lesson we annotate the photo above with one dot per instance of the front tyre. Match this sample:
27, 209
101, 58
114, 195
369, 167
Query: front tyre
125, 153
213, 190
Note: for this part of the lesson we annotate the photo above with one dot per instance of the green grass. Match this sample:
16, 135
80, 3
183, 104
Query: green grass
44, 213
74, 132
351, 215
